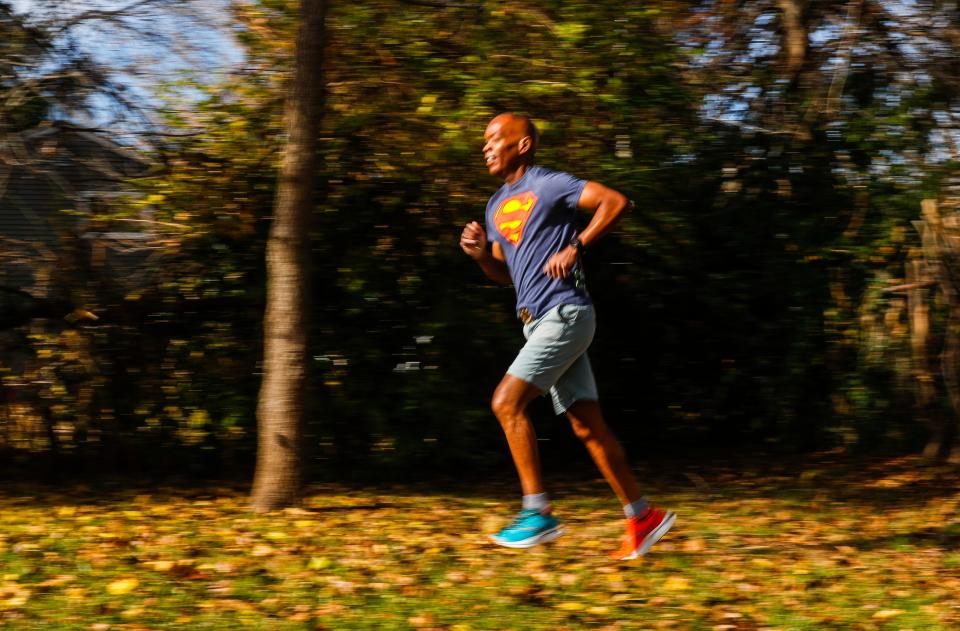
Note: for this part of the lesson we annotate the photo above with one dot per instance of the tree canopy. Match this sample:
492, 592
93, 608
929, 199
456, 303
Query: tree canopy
776, 152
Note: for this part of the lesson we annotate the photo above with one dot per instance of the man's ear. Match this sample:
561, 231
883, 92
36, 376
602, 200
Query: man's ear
525, 145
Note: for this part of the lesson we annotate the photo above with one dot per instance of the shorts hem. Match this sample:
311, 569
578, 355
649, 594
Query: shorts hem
562, 407
527, 379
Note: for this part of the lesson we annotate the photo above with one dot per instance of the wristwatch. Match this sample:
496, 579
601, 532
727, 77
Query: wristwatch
576, 243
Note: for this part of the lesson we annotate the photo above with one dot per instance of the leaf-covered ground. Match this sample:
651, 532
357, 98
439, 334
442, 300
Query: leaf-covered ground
807, 545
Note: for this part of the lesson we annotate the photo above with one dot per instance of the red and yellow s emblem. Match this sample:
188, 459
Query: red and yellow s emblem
512, 215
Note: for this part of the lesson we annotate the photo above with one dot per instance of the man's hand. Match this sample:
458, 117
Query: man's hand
561, 263
473, 241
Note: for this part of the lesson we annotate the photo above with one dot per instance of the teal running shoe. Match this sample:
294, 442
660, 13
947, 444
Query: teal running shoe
529, 528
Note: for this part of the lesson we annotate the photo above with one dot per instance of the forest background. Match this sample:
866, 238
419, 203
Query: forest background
778, 153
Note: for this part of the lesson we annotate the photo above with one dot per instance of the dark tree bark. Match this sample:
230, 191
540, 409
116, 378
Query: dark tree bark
280, 411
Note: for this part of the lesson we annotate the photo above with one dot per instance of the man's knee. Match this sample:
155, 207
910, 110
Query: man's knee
581, 430
511, 398
505, 405
588, 423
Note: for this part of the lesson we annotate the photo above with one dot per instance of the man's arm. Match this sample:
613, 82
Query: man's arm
473, 241
607, 206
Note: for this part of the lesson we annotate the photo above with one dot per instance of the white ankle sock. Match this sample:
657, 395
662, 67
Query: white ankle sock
636, 509
538, 502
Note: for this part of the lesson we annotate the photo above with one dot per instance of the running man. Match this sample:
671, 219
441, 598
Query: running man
533, 245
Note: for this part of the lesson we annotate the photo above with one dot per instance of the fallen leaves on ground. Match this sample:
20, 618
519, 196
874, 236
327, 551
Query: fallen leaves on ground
871, 545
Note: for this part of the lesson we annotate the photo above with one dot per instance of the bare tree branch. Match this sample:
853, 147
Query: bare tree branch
439, 4
152, 222
839, 78
96, 14
753, 128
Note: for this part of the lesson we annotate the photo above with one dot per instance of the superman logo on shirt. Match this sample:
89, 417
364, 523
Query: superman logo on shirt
512, 214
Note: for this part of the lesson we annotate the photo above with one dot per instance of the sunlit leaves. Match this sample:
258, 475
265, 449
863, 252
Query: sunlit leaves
760, 548
122, 586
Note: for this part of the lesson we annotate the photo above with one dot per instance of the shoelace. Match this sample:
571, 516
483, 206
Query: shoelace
523, 515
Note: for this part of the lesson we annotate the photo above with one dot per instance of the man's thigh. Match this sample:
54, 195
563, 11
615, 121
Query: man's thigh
577, 384
554, 344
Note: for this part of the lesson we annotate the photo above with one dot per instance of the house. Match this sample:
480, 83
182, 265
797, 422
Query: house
51, 178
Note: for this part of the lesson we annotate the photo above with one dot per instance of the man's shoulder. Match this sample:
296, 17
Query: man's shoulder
544, 173
538, 178
554, 177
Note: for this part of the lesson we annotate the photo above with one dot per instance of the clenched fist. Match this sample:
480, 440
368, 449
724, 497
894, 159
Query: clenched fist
473, 241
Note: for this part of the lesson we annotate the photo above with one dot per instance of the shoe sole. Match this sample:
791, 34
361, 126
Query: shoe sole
543, 537
655, 535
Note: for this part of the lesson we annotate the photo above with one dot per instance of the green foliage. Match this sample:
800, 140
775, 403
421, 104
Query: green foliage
741, 301
409, 342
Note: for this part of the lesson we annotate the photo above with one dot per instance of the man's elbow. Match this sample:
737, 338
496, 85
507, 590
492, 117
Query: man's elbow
620, 205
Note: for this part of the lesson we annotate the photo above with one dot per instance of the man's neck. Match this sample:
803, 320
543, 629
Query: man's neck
517, 174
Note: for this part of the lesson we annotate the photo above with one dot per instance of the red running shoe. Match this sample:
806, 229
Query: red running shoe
643, 532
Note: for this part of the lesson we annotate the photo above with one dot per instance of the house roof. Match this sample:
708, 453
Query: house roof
47, 170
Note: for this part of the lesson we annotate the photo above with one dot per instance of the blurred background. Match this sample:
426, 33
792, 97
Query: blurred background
784, 284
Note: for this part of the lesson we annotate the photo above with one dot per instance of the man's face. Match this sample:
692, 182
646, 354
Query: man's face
502, 145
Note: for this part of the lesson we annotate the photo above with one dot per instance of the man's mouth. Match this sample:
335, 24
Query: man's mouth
490, 159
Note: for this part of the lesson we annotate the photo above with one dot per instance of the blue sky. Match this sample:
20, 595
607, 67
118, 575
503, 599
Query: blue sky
160, 42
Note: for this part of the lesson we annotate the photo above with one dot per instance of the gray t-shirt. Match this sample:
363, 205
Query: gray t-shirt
532, 219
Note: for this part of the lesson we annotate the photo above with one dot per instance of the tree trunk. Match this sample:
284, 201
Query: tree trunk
950, 364
937, 248
924, 385
794, 36
280, 410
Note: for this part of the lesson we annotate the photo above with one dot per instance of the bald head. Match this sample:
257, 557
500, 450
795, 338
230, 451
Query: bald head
510, 144
520, 124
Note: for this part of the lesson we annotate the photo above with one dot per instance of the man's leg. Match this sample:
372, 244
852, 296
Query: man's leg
589, 426
509, 404
554, 341
534, 524
575, 394
645, 524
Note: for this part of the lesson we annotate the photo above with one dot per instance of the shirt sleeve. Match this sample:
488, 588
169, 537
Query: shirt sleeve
492, 233
569, 189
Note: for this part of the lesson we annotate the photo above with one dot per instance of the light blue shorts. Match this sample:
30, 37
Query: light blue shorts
555, 358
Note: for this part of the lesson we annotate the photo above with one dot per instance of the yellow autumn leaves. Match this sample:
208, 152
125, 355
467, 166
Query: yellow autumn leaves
122, 586
745, 555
